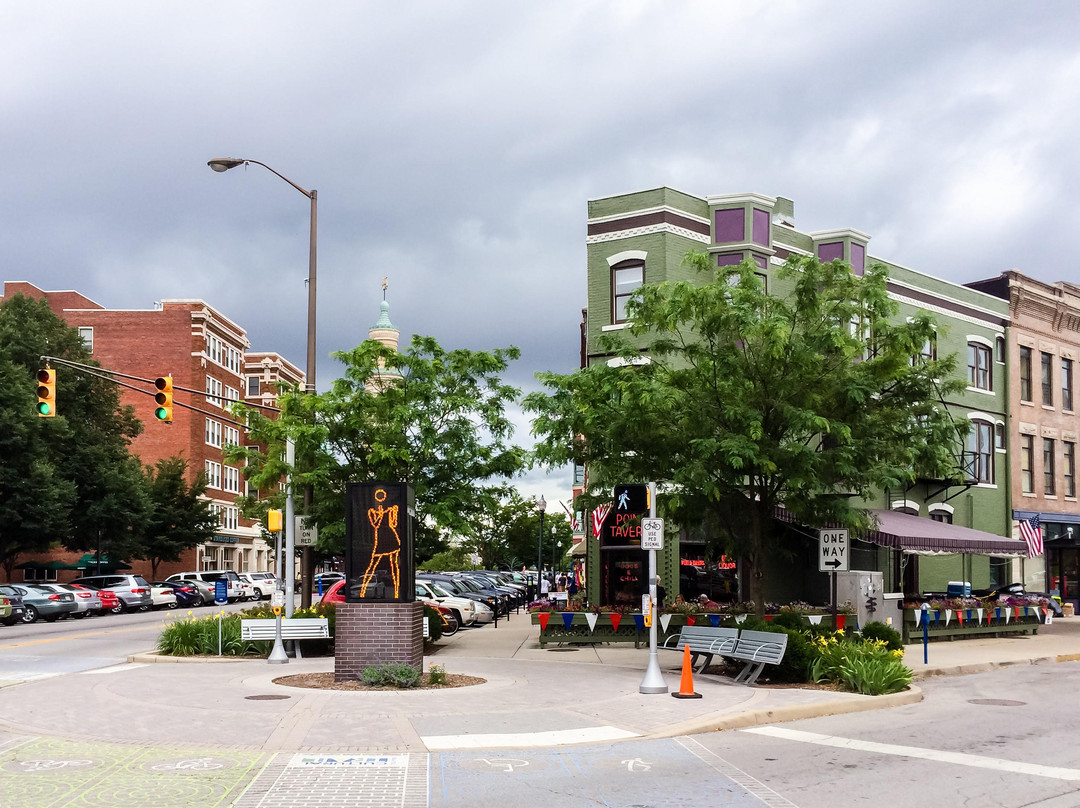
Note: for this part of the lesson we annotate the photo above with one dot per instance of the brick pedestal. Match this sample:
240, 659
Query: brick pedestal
368, 634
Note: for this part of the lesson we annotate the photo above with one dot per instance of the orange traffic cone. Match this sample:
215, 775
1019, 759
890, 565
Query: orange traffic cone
686, 683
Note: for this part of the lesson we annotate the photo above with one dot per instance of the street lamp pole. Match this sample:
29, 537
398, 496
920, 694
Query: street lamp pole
222, 164
554, 550
542, 505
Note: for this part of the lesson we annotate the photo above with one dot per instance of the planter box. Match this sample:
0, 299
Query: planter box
946, 624
631, 627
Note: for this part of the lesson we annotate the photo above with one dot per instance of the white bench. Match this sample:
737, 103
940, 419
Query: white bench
703, 641
292, 628
757, 649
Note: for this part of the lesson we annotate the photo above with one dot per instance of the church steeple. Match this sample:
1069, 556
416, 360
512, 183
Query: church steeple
383, 331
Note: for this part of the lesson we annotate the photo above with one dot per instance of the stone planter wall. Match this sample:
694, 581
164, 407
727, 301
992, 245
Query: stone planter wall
373, 633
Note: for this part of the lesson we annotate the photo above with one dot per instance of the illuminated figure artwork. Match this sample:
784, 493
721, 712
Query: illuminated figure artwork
390, 542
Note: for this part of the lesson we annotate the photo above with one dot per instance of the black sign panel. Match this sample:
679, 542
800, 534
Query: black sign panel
631, 499
379, 543
621, 530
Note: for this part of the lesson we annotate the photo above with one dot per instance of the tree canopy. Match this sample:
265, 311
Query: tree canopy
740, 400
178, 518
62, 479
428, 416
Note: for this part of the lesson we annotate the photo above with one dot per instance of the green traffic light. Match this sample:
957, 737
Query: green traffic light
161, 413
43, 408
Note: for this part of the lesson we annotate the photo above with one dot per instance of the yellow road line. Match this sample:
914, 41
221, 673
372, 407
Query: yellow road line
81, 636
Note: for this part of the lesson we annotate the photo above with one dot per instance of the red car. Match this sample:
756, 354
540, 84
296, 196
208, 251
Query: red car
109, 600
336, 594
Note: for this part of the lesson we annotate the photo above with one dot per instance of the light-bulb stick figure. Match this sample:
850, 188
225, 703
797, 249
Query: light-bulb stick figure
375, 517
624, 498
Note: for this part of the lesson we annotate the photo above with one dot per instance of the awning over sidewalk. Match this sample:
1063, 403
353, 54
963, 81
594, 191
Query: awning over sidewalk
915, 534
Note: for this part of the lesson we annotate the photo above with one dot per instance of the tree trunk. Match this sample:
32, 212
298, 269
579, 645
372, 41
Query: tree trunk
754, 559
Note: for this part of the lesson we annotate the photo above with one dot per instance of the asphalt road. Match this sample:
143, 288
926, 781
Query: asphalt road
36, 650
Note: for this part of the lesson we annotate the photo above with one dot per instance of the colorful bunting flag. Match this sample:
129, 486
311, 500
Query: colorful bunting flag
714, 619
739, 618
980, 611
690, 620
639, 621
615, 619
841, 621
543, 617
948, 617
567, 619
590, 618
815, 619
665, 619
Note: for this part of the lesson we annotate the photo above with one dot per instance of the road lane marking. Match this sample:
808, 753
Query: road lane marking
937, 755
123, 666
751, 784
526, 739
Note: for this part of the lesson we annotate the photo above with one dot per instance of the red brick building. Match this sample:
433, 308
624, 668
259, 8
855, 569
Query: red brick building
207, 356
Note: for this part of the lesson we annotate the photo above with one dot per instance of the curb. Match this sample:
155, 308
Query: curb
796, 712
151, 657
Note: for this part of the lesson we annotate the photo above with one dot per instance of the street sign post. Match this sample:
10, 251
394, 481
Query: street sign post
833, 557
833, 551
652, 534
653, 681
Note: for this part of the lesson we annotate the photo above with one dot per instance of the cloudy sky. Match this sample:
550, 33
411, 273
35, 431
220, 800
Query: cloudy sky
454, 146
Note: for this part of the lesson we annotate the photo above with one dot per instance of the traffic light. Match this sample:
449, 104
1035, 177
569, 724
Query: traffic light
163, 411
46, 393
273, 520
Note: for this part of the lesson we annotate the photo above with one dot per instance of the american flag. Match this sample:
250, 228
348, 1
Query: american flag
599, 514
1031, 530
574, 524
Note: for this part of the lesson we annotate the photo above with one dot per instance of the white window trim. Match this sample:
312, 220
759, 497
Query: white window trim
982, 341
904, 504
626, 255
941, 507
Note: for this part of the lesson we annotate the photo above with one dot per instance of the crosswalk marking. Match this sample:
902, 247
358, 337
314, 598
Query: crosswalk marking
938, 755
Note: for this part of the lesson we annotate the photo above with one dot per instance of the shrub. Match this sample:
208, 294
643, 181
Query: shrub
887, 634
199, 635
790, 619
436, 675
390, 674
867, 667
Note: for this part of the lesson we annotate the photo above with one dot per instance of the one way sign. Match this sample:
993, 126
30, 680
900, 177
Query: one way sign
832, 550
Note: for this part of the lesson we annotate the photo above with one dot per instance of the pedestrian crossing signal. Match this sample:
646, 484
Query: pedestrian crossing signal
46, 393
164, 399
631, 499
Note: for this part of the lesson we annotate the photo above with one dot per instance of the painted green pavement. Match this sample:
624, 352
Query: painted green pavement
49, 772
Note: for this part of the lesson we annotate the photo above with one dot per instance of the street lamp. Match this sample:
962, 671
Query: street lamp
221, 165
554, 550
542, 505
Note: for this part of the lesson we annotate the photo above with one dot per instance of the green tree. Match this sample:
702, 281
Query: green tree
179, 518
750, 401
428, 416
76, 464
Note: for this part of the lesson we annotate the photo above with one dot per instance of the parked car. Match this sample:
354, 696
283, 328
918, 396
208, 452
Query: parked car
5, 608
132, 590
210, 577
15, 601
249, 591
466, 611
187, 596
335, 594
44, 604
324, 580
164, 597
109, 601
87, 601
204, 590
264, 582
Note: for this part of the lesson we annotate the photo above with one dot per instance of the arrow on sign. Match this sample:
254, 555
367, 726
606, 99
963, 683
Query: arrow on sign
834, 563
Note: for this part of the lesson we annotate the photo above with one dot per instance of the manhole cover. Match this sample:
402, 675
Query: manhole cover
266, 698
563, 650
998, 702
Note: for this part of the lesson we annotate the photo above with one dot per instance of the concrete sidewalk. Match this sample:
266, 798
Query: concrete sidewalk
532, 697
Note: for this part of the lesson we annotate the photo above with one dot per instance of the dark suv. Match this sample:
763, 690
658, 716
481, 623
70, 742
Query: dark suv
132, 590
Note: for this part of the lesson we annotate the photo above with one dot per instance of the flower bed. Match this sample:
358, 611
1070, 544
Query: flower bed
953, 622
583, 627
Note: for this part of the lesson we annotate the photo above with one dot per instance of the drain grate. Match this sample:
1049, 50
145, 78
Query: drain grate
998, 702
266, 697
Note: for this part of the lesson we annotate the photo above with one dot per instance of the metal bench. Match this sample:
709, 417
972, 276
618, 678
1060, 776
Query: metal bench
703, 641
757, 649
292, 628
